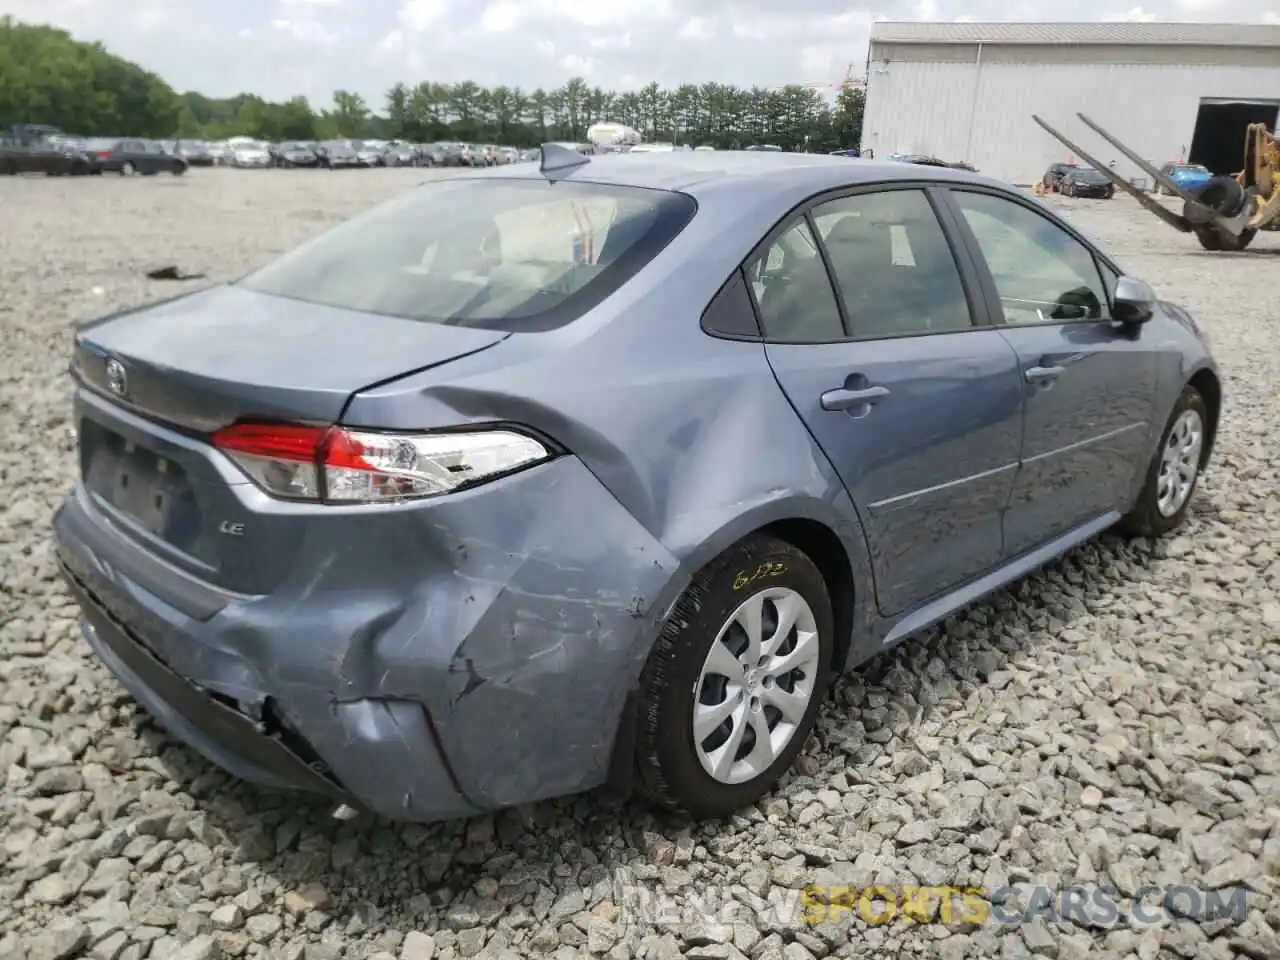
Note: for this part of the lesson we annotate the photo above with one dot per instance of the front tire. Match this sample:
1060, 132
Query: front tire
127, 169
733, 686
1174, 470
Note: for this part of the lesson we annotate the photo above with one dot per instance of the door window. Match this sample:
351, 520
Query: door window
893, 264
793, 290
1042, 273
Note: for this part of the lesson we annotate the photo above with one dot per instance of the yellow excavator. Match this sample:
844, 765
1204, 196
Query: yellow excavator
1224, 214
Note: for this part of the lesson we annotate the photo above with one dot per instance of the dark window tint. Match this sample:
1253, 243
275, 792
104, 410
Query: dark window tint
790, 282
500, 254
1042, 273
893, 265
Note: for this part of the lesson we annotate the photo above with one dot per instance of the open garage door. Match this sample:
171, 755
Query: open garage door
1218, 140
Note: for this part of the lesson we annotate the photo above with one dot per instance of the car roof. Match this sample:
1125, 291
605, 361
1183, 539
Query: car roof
751, 173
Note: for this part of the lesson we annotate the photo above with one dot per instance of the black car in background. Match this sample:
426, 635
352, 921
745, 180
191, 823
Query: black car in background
196, 152
128, 157
1086, 182
293, 153
1052, 178
53, 157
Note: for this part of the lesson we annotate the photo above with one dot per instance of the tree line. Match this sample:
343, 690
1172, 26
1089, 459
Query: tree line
46, 76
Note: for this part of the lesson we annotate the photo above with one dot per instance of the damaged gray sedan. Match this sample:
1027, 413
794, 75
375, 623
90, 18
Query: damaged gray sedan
544, 478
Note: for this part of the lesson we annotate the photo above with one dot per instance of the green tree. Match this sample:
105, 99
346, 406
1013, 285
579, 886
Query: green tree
47, 77
350, 113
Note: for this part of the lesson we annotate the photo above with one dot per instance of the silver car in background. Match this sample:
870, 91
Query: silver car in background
369, 155
251, 155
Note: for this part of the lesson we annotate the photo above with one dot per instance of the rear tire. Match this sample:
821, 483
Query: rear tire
1174, 471
673, 765
127, 169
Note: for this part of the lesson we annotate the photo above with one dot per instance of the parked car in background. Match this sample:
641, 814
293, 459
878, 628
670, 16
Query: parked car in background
1189, 176
251, 155
528, 155
1086, 182
369, 155
338, 155
1052, 179
128, 156
295, 154
60, 157
401, 154
197, 153
770, 147
432, 155
952, 387
508, 155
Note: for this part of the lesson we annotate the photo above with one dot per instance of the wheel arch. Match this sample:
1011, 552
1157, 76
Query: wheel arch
841, 560
1209, 387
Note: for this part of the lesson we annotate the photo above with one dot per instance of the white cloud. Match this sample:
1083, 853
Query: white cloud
1135, 15
545, 47
310, 3
418, 15
696, 28
307, 31
578, 66
621, 41
392, 42
501, 17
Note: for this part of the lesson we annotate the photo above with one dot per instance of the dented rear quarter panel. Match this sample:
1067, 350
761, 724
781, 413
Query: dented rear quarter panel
692, 444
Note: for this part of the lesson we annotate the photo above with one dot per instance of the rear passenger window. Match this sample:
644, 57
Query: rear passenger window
793, 290
893, 265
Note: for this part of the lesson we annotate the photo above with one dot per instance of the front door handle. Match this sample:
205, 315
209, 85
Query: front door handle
1042, 374
843, 399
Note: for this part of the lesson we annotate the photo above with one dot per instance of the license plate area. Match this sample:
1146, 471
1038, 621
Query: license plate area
151, 490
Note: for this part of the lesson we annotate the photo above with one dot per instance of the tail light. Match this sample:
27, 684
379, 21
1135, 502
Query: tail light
103, 154
333, 464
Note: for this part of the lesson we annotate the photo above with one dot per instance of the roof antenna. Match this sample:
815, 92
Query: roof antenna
556, 158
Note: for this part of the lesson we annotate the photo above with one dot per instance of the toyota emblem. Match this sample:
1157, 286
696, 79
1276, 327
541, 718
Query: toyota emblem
117, 380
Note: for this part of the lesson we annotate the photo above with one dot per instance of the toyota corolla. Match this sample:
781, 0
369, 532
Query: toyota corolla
598, 472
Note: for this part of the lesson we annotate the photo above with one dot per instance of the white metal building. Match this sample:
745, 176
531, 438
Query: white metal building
967, 91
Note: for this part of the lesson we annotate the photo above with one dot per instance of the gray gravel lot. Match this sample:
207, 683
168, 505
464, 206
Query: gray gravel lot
1114, 720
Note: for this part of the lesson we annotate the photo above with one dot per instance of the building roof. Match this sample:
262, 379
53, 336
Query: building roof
1129, 34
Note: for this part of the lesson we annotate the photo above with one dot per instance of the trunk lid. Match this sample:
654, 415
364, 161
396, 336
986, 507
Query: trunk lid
204, 360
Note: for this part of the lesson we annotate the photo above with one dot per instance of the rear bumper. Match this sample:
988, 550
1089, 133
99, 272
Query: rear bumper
221, 733
478, 655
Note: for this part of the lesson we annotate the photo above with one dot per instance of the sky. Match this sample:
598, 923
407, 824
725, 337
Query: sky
282, 48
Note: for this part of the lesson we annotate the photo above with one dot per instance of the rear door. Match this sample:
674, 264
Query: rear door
1090, 384
914, 398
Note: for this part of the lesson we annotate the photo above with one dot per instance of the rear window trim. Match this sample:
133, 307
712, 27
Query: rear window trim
674, 216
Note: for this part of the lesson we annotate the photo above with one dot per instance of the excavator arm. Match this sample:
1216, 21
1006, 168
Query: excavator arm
1225, 213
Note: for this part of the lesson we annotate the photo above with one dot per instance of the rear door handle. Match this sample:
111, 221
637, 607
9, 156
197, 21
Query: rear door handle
843, 399
1042, 374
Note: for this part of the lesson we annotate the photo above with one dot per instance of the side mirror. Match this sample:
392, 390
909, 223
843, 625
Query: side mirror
1135, 301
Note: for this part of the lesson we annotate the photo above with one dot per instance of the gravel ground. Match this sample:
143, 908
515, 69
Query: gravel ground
1112, 720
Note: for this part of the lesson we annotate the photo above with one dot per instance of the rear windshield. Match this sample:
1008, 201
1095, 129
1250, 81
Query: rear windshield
519, 255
